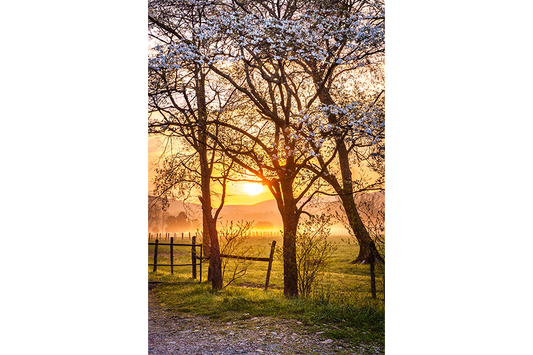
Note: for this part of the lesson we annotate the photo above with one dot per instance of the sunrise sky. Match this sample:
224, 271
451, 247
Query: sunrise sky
238, 193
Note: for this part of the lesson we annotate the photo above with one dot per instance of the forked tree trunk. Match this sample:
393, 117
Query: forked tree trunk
215, 265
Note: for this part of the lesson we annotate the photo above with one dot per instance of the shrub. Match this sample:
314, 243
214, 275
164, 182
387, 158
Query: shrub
233, 241
313, 250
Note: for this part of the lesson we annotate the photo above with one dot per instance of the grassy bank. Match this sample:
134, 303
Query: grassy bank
340, 305
354, 320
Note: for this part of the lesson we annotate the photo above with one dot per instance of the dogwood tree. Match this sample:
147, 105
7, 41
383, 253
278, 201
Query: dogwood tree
284, 60
297, 60
181, 97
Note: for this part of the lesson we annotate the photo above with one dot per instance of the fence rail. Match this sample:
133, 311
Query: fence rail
167, 236
269, 260
254, 233
195, 257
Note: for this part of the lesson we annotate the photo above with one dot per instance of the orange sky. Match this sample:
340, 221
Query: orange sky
236, 194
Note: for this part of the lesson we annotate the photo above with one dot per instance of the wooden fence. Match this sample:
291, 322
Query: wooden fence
269, 260
195, 257
167, 236
185, 235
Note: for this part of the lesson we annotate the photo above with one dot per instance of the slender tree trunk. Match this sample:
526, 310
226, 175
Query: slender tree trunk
346, 193
215, 265
345, 188
366, 244
206, 242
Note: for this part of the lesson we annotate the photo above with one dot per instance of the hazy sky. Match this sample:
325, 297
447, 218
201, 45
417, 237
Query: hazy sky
237, 193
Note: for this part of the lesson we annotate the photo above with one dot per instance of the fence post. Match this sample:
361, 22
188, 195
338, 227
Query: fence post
155, 255
193, 257
201, 264
270, 258
172, 255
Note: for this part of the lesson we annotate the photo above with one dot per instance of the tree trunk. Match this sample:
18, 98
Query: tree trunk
366, 244
290, 216
346, 193
206, 242
345, 188
215, 265
290, 268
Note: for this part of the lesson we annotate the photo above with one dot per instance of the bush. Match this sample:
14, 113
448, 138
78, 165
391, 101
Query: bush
233, 241
313, 250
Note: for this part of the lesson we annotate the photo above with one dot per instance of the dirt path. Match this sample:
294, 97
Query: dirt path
174, 333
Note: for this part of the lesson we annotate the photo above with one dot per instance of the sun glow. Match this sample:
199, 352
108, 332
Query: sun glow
253, 189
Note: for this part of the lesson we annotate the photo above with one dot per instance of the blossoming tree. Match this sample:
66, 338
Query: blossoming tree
292, 127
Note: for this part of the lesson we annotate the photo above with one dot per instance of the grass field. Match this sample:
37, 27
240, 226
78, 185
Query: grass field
342, 295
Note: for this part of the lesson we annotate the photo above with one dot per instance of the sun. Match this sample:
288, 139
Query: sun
253, 189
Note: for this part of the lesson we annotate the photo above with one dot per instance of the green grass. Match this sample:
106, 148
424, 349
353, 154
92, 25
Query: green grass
341, 304
182, 255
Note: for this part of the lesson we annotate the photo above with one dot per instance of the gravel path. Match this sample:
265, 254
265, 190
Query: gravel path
174, 333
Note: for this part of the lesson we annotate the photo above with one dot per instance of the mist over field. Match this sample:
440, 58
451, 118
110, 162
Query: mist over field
265, 214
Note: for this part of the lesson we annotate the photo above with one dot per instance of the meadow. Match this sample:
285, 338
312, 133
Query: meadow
341, 297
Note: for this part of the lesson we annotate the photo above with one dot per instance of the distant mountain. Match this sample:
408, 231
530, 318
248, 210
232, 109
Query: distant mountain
267, 211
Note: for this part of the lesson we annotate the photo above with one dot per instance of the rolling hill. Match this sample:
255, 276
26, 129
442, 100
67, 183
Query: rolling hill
266, 213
